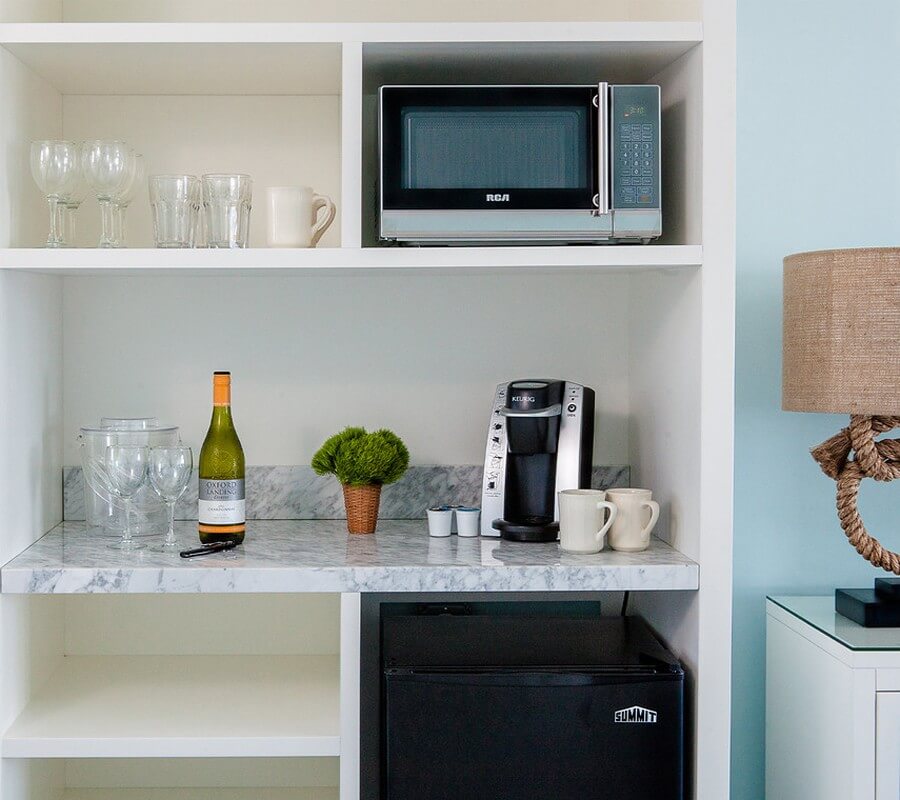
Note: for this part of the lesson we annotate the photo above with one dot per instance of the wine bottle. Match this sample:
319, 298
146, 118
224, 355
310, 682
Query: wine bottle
221, 471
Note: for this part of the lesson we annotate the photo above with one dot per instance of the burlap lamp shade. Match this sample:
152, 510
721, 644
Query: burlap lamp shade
842, 331
842, 355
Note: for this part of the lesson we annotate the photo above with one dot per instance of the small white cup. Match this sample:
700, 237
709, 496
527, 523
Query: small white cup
468, 521
294, 218
581, 525
440, 521
631, 528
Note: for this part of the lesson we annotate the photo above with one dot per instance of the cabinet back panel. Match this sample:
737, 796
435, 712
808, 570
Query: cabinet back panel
201, 772
418, 354
261, 624
277, 140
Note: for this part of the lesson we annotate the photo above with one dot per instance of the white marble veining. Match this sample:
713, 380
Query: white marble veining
319, 556
294, 492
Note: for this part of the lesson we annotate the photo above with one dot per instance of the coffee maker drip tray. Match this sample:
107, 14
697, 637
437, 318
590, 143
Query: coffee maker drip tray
524, 532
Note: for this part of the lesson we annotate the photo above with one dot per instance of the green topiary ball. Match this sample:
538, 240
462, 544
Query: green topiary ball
358, 458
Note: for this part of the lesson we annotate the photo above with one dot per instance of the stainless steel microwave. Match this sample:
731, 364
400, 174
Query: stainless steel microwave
519, 164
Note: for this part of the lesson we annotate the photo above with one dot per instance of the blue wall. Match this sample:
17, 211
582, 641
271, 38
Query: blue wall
818, 166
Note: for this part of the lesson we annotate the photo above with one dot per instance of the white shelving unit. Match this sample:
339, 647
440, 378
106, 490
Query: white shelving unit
95, 701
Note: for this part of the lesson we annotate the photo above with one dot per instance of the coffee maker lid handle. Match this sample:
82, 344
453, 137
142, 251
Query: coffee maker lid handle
550, 411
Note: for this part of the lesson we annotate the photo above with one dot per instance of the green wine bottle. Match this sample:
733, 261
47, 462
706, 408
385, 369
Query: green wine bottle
221, 470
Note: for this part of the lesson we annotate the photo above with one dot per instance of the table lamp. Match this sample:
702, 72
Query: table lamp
842, 355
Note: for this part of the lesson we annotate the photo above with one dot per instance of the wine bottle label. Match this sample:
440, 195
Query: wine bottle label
221, 502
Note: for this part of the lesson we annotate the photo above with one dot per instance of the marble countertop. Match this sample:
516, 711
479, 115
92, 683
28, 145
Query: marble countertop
319, 556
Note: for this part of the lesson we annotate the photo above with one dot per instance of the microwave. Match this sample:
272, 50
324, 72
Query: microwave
519, 164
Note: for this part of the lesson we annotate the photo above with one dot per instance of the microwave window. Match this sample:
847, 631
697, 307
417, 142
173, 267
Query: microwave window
507, 148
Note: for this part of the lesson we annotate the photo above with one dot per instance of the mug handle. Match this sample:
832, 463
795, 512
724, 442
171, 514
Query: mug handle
654, 516
319, 202
609, 521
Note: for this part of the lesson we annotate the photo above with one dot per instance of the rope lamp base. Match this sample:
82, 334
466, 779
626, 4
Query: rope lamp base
847, 458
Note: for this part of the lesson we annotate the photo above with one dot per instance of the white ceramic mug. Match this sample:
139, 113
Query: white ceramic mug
631, 529
297, 216
581, 525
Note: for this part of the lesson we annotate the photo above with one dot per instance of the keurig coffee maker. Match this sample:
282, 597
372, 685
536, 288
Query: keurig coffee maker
540, 441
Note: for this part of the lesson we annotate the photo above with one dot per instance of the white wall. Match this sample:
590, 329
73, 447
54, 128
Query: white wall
419, 354
31, 426
31, 109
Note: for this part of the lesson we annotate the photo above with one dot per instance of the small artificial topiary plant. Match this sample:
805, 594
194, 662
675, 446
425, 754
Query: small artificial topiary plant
358, 458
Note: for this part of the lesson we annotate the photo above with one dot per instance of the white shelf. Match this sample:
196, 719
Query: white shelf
182, 706
202, 67
257, 261
305, 58
288, 32
204, 793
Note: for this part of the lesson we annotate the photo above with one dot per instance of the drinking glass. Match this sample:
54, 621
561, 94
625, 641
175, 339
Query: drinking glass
127, 195
108, 170
69, 205
126, 471
170, 472
227, 203
54, 167
175, 204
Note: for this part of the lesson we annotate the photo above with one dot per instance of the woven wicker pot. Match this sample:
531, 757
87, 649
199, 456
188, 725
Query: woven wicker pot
361, 503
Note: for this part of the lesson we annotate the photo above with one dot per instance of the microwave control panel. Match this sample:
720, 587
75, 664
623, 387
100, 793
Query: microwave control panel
635, 144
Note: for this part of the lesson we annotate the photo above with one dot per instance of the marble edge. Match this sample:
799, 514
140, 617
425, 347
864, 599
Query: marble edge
219, 578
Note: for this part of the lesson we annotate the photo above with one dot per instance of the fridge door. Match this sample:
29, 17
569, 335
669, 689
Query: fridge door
532, 736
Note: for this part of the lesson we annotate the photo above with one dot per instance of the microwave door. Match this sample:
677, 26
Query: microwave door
603, 161
488, 148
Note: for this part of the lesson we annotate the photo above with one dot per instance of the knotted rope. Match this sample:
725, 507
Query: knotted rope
879, 460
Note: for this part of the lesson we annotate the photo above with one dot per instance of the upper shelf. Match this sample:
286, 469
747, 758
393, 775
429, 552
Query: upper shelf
305, 58
343, 261
337, 32
341, 10
319, 556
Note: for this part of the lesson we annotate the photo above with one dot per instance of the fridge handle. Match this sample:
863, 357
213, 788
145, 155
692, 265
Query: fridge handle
603, 161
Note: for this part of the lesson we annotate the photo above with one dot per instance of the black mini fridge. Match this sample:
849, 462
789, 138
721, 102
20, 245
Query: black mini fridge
518, 707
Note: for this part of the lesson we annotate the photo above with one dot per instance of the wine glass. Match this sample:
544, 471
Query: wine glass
170, 472
127, 195
54, 167
108, 169
69, 205
126, 470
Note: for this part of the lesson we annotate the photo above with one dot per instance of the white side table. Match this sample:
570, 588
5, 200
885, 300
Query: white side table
832, 704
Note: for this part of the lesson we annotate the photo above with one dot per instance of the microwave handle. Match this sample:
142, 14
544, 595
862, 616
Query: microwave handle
603, 162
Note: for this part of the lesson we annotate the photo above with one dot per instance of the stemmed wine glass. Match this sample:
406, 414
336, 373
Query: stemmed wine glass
128, 194
108, 170
170, 472
69, 205
55, 168
126, 471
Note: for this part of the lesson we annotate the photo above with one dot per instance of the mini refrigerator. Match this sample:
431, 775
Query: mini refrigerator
519, 707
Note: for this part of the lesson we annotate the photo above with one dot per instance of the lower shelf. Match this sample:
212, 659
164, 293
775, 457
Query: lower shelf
182, 706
